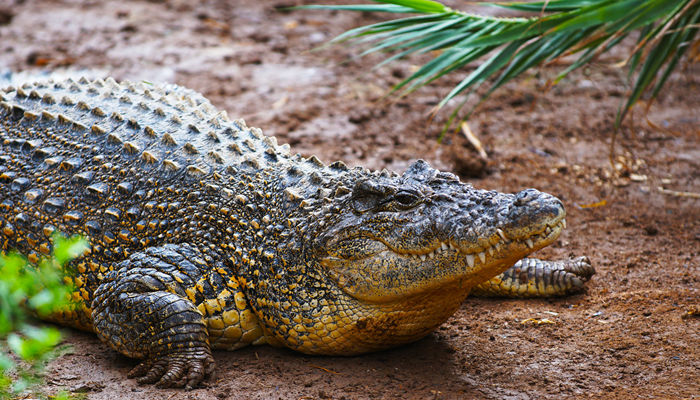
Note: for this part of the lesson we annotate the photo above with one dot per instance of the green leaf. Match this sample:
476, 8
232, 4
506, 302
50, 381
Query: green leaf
485, 70
593, 16
376, 31
436, 68
49, 299
644, 15
588, 55
6, 363
11, 264
636, 57
66, 249
546, 6
667, 48
399, 36
361, 8
38, 342
31, 289
685, 41
423, 6
15, 342
558, 27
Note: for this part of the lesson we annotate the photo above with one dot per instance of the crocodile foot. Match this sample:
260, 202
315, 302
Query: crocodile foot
185, 368
531, 277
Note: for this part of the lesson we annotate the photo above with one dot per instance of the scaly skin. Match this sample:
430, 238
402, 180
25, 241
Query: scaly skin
531, 277
206, 234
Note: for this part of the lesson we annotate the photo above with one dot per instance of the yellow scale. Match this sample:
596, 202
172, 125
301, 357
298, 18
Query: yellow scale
230, 320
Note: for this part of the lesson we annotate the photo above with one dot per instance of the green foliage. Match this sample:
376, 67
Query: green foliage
667, 29
31, 289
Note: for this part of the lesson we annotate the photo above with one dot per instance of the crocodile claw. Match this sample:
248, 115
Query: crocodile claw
185, 368
581, 269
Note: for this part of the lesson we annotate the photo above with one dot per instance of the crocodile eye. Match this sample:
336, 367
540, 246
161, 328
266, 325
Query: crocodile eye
406, 199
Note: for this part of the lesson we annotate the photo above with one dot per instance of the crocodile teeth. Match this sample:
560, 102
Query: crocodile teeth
529, 243
490, 249
443, 246
470, 260
547, 230
431, 254
563, 223
422, 257
482, 257
501, 234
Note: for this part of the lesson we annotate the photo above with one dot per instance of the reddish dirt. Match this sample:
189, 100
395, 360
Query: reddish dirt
629, 336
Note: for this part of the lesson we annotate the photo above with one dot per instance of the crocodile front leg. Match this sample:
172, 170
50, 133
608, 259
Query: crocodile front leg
531, 277
142, 311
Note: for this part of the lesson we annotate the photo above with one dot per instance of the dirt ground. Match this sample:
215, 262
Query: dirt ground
631, 335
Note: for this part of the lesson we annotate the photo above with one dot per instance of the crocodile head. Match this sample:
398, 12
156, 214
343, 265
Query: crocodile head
404, 251
387, 257
426, 230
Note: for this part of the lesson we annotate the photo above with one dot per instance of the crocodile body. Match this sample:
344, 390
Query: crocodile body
207, 234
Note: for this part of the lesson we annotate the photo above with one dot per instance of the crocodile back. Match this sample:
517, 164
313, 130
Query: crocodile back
129, 165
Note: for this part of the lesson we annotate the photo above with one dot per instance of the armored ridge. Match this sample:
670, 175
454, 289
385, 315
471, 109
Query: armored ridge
207, 234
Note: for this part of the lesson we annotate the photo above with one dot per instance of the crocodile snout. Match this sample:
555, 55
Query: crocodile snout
532, 210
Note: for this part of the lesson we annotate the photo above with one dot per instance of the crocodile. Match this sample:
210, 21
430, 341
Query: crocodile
206, 234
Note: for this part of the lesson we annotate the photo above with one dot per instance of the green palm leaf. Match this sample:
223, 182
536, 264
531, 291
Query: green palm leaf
667, 28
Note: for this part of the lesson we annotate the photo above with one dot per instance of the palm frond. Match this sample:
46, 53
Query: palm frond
667, 28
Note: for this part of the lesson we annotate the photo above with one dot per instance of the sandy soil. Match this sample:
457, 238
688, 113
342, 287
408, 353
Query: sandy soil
629, 336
